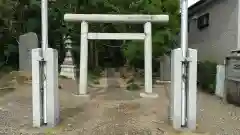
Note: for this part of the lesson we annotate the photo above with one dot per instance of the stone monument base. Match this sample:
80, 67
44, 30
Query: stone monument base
148, 95
68, 71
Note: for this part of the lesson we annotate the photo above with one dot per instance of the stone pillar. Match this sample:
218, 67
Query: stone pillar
176, 96
52, 93
83, 59
45, 105
37, 99
148, 61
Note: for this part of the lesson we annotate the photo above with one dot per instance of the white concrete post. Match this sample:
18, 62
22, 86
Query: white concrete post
83, 59
45, 103
52, 87
192, 90
148, 57
36, 87
220, 78
176, 85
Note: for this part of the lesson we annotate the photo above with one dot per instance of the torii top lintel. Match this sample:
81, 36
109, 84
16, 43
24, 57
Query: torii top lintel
133, 18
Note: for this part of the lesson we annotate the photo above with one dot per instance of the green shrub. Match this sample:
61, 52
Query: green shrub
130, 81
207, 76
96, 71
133, 87
94, 74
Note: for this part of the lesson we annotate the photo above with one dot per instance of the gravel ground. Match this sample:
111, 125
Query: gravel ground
112, 112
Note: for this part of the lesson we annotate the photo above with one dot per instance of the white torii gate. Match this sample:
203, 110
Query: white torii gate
119, 18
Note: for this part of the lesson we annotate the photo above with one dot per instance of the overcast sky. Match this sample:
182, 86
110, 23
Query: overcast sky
190, 2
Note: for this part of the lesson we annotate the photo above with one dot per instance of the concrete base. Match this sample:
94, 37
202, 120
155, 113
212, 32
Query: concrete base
163, 82
68, 71
82, 95
149, 95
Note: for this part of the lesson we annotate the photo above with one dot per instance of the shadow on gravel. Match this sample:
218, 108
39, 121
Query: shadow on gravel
70, 112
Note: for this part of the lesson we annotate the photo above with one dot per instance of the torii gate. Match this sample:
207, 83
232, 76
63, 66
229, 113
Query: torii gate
117, 18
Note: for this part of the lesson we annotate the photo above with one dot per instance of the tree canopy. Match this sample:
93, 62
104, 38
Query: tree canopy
22, 16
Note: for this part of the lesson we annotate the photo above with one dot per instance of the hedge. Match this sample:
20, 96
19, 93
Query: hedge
207, 76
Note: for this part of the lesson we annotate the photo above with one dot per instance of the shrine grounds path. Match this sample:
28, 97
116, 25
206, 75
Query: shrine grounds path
112, 111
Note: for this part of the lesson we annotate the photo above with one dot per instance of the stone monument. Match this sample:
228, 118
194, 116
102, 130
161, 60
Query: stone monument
68, 68
27, 42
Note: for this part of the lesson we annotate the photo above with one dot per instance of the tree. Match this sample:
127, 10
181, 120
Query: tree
163, 35
23, 16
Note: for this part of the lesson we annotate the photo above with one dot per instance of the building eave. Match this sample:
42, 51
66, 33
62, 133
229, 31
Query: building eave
199, 5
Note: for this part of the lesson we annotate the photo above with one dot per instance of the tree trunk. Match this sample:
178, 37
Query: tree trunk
90, 57
96, 55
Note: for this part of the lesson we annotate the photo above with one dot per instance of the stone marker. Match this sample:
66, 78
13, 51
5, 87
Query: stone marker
27, 42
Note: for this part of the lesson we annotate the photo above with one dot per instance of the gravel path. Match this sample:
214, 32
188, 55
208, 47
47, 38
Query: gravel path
113, 112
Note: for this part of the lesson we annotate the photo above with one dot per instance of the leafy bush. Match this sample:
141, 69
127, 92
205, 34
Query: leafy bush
130, 81
133, 87
95, 73
207, 76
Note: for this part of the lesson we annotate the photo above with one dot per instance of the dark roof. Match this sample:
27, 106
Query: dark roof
199, 5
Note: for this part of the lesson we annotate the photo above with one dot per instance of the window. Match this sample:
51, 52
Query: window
203, 21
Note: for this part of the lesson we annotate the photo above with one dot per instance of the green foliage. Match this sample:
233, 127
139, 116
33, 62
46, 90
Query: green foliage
134, 52
133, 87
163, 35
93, 75
207, 76
18, 17
96, 72
130, 81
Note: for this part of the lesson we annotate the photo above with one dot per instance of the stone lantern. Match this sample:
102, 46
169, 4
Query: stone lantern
68, 69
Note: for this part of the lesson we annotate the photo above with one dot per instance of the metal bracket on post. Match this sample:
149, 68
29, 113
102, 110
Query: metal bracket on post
42, 77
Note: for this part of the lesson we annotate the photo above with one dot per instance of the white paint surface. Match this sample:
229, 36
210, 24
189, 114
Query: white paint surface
83, 59
53, 106
36, 94
176, 84
191, 2
137, 18
148, 57
116, 36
